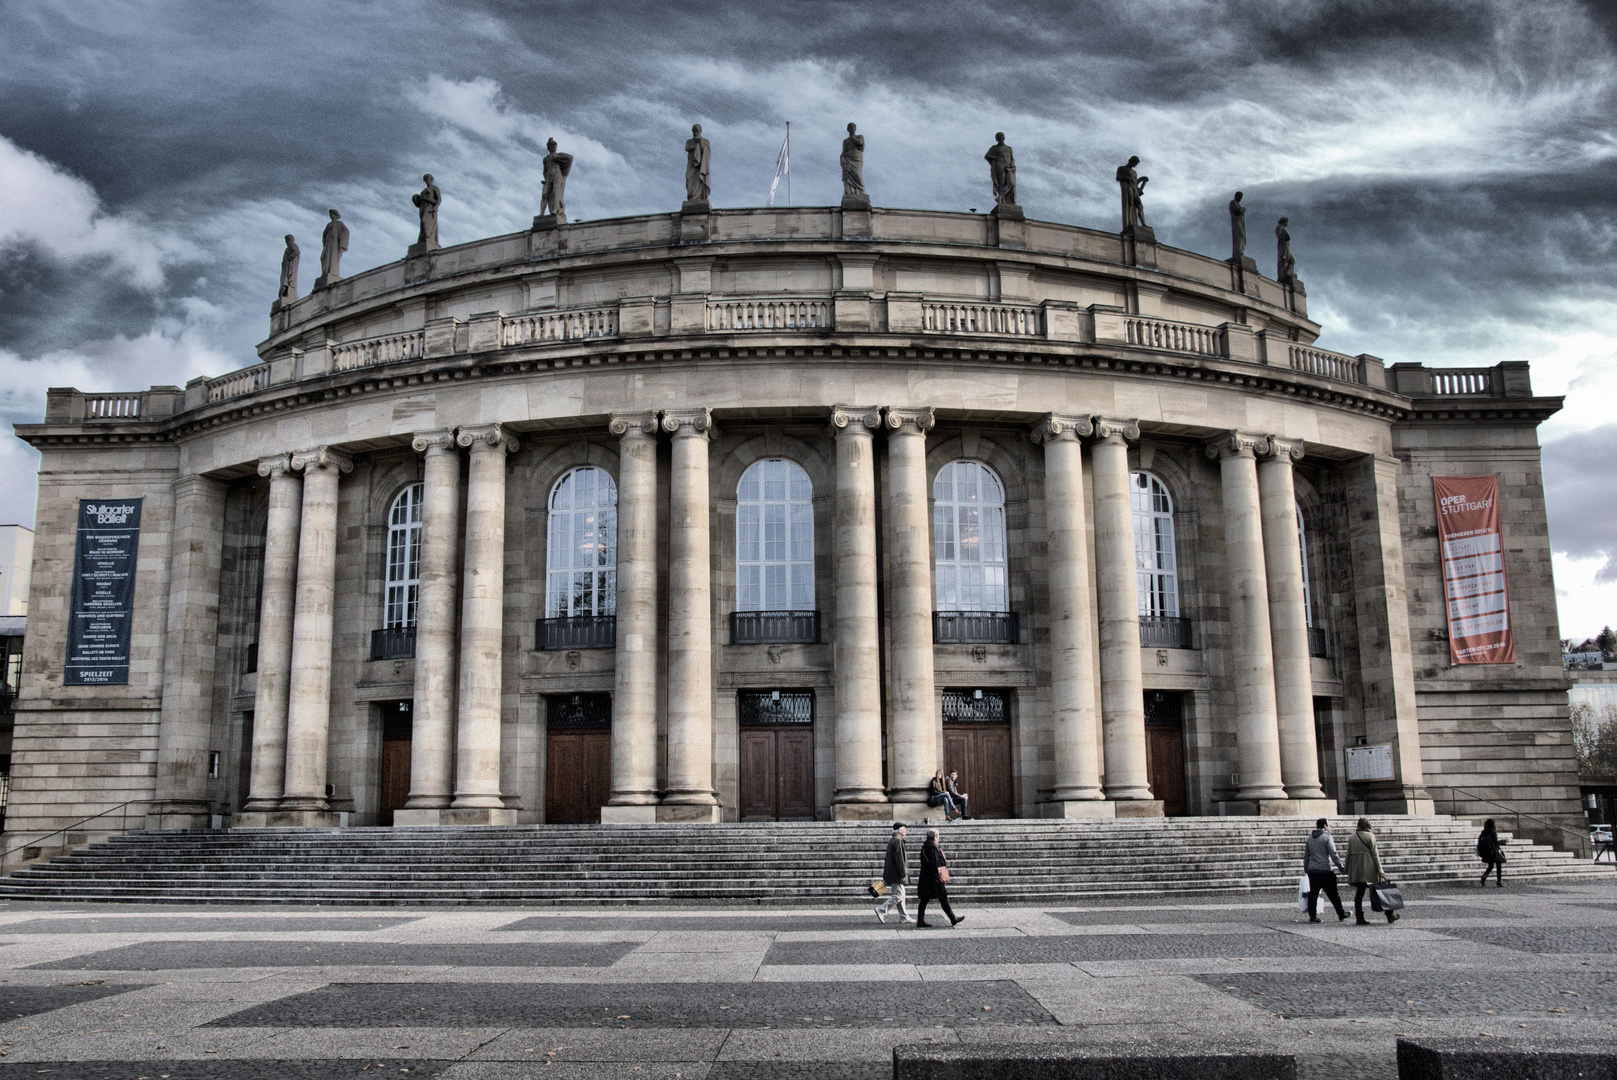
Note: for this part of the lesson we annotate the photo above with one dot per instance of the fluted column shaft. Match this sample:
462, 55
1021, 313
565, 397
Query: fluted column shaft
1252, 659
308, 716
1072, 642
690, 616
432, 728
857, 634
1288, 620
275, 607
482, 621
1122, 695
911, 698
634, 698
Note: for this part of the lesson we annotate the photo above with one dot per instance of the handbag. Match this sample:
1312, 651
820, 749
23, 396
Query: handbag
878, 888
1302, 893
943, 875
1384, 896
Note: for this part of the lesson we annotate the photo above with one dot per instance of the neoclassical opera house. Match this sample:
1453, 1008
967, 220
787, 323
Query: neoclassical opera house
762, 514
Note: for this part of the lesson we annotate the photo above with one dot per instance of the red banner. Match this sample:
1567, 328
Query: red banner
1473, 552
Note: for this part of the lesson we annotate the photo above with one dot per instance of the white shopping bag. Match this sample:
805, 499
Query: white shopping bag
1302, 893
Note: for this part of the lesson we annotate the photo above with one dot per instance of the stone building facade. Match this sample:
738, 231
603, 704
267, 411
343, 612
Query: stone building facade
771, 513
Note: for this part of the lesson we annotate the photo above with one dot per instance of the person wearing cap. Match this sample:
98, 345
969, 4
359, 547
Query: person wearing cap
895, 872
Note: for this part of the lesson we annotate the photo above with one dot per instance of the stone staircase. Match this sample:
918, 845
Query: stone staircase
805, 864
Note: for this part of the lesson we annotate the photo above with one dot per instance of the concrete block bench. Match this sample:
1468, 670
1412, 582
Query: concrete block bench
1024, 1061
1506, 1059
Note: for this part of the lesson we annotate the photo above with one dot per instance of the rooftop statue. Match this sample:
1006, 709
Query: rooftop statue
1286, 266
333, 242
557, 166
427, 203
698, 166
853, 164
1002, 169
288, 291
1237, 228
1133, 185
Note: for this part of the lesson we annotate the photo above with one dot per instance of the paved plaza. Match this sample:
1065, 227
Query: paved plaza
180, 993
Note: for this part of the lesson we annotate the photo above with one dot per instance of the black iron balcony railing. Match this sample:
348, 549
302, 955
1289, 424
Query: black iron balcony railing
1316, 642
577, 632
1164, 632
774, 627
975, 628
394, 643
976, 706
252, 659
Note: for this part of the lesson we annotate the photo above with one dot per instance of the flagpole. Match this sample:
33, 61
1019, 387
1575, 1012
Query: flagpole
788, 163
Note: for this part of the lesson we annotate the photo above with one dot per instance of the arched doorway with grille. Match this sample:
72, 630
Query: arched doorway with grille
578, 757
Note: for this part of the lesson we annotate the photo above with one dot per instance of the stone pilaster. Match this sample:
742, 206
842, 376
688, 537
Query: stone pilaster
857, 635
185, 723
1252, 661
482, 628
634, 697
308, 714
1122, 693
275, 611
432, 728
1072, 640
1288, 626
911, 699
689, 795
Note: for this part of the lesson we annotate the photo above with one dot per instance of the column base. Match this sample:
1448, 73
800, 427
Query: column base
471, 815
289, 819
1078, 808
1279, 808
628, 815
1137, 808
408, 818
683, 813
178, 815
862, 811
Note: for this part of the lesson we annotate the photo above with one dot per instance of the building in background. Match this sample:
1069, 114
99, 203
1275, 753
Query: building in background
16, 567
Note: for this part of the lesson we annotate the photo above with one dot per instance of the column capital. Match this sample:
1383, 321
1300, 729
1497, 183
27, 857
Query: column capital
689, 423
920, 420
1287, 450
1056, 426
437, 439
1238, 444
633, 425
494, 435
276, 465
1108, 426
853, 417
321, 457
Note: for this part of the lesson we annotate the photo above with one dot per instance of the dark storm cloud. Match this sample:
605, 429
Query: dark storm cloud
1577, 489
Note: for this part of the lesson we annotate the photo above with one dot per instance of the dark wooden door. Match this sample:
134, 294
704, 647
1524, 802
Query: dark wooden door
758, 798
578, 775
396, 720
1165, 765
777, 773
981, 753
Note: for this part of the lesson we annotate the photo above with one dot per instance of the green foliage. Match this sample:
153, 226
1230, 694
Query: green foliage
1594, 735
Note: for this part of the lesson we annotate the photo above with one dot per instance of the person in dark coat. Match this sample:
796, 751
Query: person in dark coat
1491, 850
932, 886
895, 872
1364, 869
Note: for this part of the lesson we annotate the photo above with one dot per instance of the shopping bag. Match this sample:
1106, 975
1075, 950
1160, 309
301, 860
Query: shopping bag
1384, 896
1302, 893
878, 888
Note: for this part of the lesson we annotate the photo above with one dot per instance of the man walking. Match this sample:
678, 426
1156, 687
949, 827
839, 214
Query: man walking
895, 873
1318, 855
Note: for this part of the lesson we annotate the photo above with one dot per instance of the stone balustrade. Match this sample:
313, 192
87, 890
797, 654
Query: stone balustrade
1510, 378
246, 381
1146, 333
65, 405
387, 349
112, 406
945, 317
769, 313
1326, 364
540, 327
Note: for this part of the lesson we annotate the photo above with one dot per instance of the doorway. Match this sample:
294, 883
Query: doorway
777, 755
578, 757
396, 727
1165, 749
977, 744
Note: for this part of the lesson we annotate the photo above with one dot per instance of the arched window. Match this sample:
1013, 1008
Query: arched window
968, 519
403, 558
1156, 569
774, 538
1308, 588
581, 565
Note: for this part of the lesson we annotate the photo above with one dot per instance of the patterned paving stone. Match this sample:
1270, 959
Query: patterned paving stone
1543, 939
220, 1069
1403, 995
652, 1005
16, 1001
749, 923
170, 955
947, 948
801, 1070
183, 924
1160, 916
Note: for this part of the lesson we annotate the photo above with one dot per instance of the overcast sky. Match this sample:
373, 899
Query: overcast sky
1447, 167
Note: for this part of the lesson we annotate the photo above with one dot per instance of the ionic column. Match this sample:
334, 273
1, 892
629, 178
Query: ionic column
690, 619
1122, 693
1288, 620
482, 626
275, 609
857, 634
634, 689
308, 713
1072, 643
432, 726
1252, 660
911, 700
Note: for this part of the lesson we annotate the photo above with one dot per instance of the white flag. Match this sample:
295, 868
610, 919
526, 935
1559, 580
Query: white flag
783, 167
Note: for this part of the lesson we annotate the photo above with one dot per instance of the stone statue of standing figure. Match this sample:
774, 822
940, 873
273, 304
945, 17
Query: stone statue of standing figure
1002, 170
1237, 228
1133, 185
288, 291
698, 166
427, 203
333, 242
557, 166
1286, 266
853, 166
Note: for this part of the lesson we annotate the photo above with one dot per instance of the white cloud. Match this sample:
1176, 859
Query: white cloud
1585, 603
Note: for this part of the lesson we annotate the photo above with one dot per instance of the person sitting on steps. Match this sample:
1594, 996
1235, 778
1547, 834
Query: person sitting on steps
958, 795
938, 795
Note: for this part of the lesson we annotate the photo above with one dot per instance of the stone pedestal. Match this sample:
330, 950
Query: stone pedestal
287, 819
1243, 274
432, 739
634, 690
1305, 808
686, 813
1140, 246
1072, 809
1138, 808
477, 815
690, 623
857, 636
628, 815
882, 811
911, 702
856, 218
695, 222
1007, 226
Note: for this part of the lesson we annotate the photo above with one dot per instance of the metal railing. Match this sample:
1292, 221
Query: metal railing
1164, 632
774, 627
976, 706
766, 707
1316, 642
123, 826
577, 632
975, 628
1583, 844
393, 643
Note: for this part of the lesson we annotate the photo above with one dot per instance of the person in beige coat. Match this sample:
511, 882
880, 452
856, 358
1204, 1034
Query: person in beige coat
1364, 869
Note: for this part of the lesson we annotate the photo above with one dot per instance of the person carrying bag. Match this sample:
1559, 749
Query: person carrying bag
1366, 875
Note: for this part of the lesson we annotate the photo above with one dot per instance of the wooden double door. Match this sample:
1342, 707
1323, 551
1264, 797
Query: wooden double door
1165, 750
981, 754
777, 755
397, 719
578, 757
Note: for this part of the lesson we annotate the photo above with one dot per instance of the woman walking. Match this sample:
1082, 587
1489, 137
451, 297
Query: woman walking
1364, 870
934, 882
1491, 850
